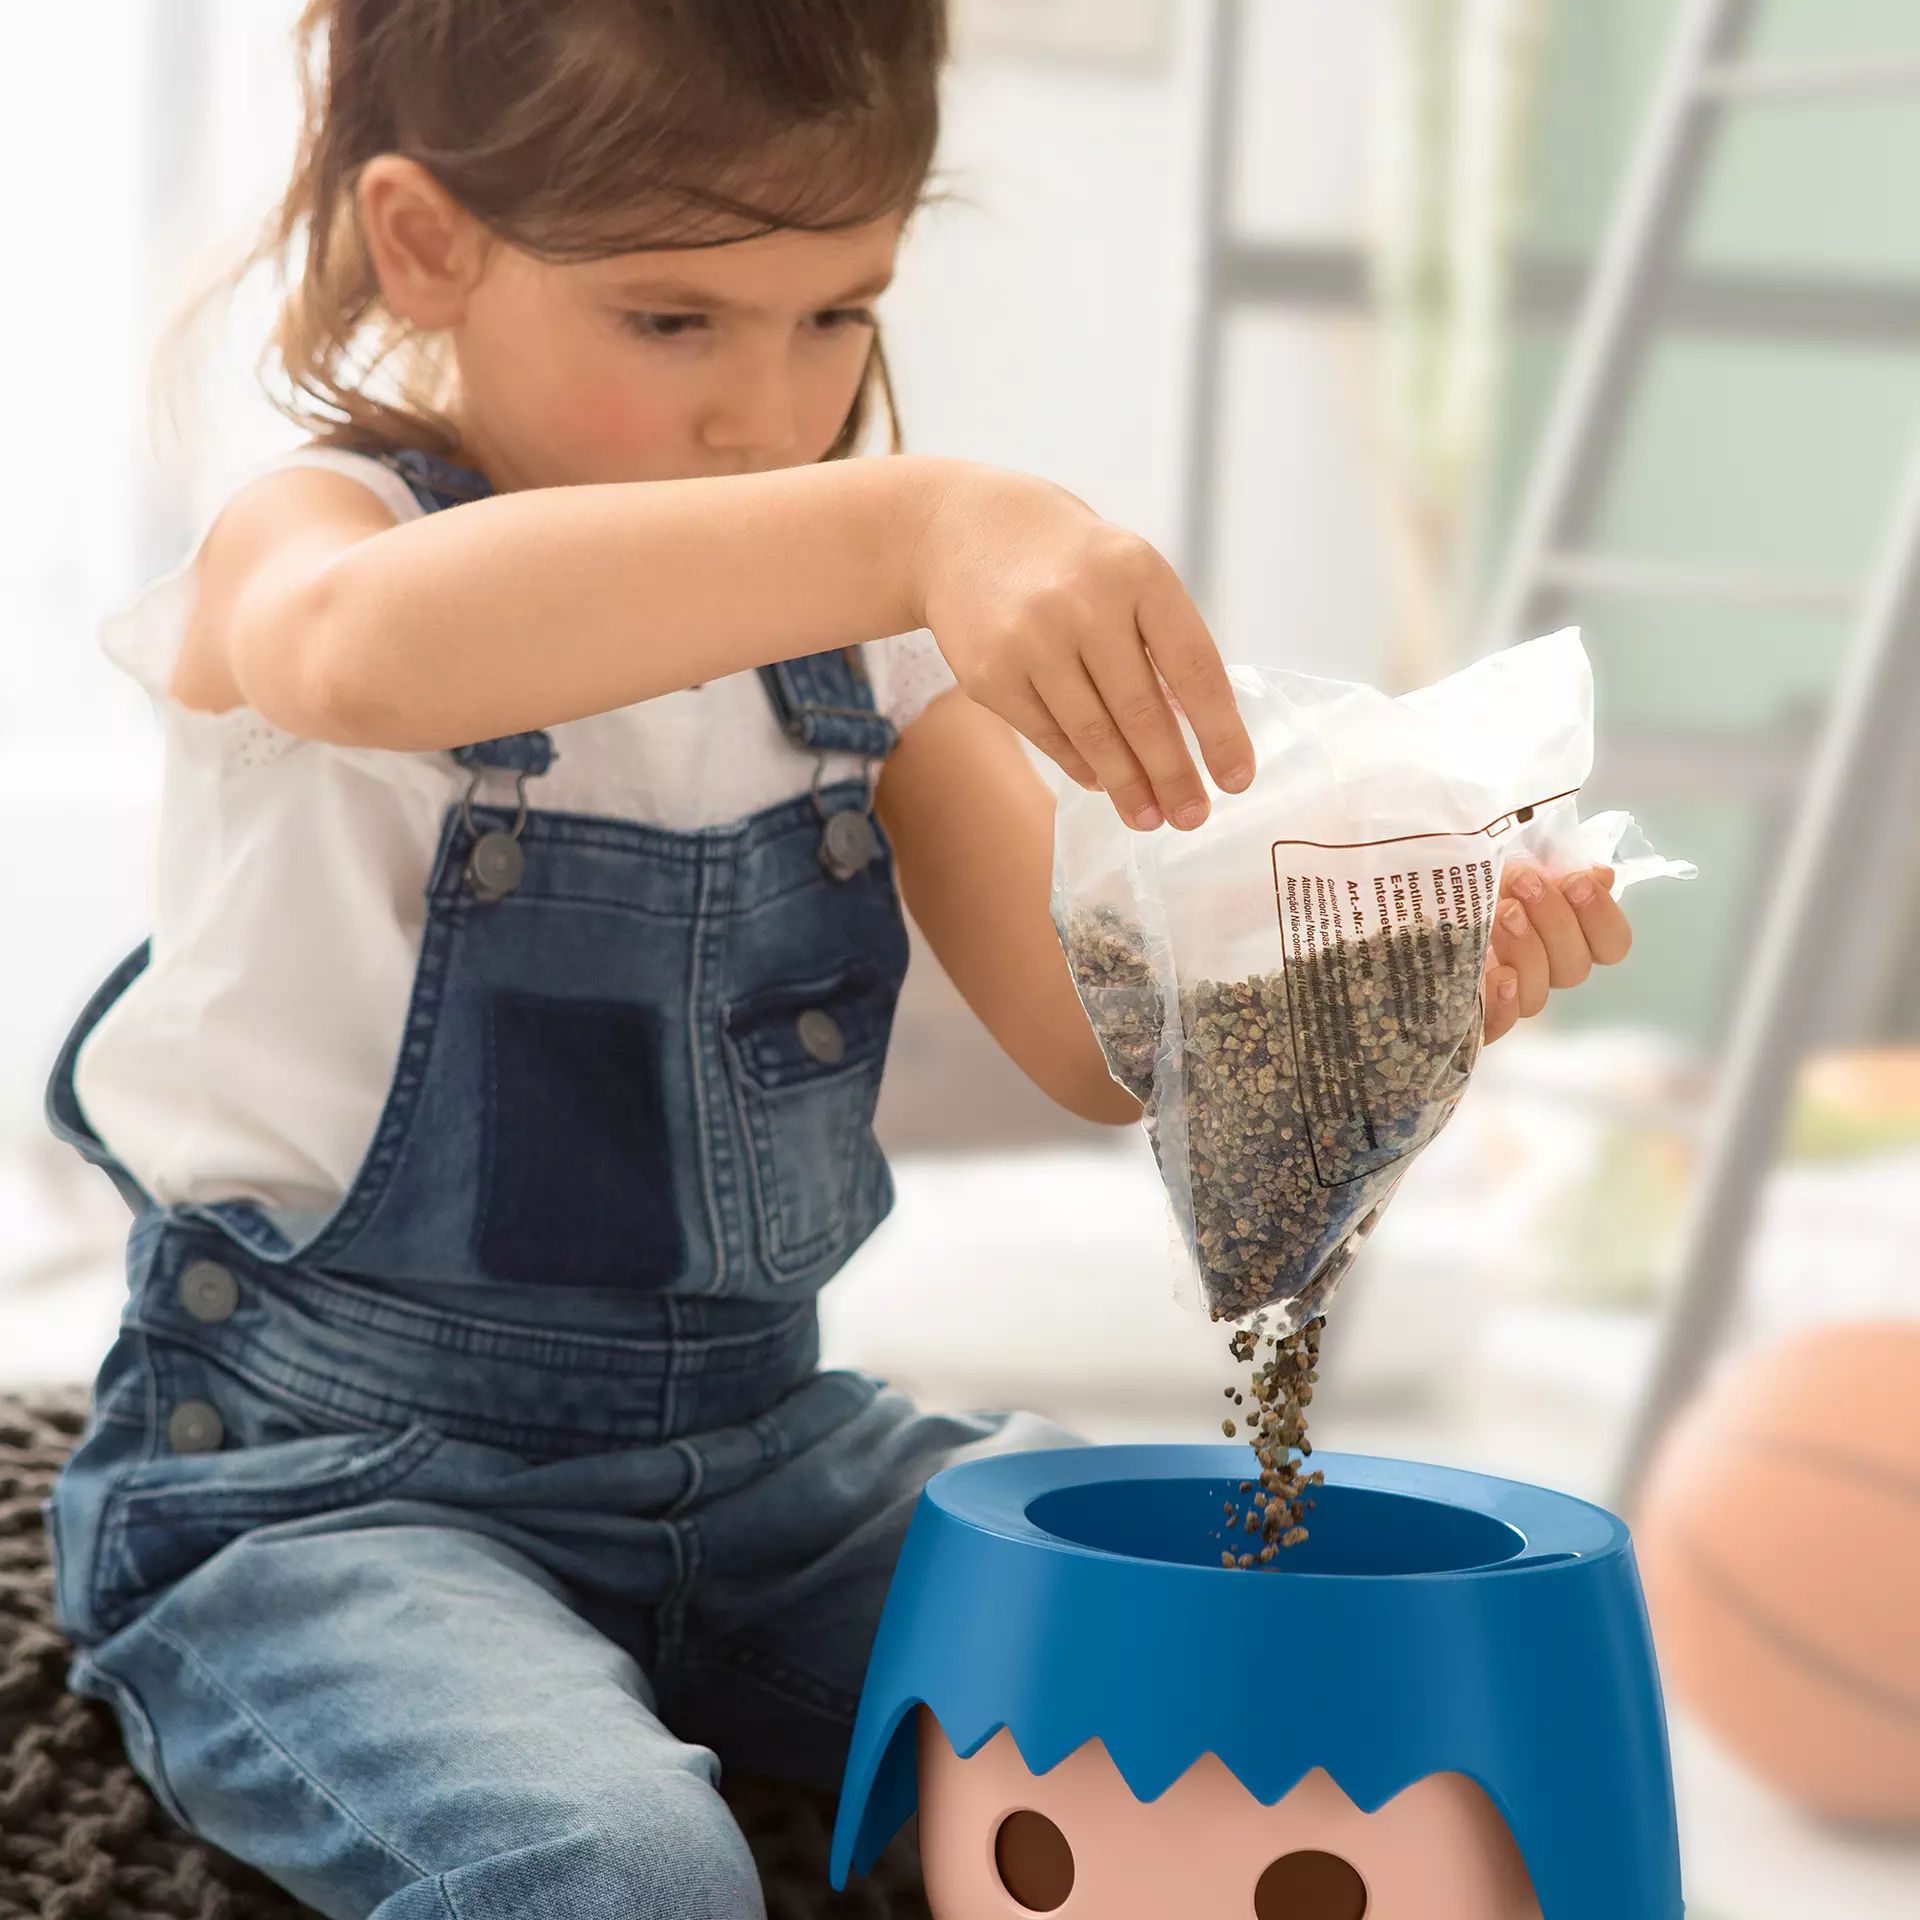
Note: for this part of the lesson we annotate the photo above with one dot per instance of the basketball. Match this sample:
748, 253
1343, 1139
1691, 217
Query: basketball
1779, 1545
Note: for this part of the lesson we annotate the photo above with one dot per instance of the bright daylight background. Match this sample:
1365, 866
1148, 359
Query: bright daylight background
1293, 305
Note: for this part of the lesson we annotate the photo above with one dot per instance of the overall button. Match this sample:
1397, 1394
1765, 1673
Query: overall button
496, 866
208, 1291
195, 1426
821, 1036
849, 845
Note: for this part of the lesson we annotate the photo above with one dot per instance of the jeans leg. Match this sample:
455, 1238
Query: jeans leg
403, 1719
765, 1660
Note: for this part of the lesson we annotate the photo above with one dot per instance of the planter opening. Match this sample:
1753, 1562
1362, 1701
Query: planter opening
1356, 1531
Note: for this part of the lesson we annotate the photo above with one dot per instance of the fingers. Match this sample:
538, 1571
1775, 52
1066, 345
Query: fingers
1562, 939
1608, 932
1546, 934
1517, 946
1502, 1000
1021, 707
1579, 923
1189, 661
1137, 702
1080, 717
1095, 655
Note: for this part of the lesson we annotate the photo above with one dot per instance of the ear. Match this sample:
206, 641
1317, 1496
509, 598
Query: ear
427, 249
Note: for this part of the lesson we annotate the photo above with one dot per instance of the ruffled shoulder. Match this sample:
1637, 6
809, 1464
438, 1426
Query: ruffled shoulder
143, 638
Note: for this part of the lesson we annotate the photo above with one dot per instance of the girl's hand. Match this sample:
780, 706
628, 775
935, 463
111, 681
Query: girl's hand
1081, 636
1549, 933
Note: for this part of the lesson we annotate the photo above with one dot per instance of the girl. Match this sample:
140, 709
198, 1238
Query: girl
494, 1095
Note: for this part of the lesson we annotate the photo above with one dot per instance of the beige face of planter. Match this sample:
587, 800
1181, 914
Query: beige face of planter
997, 1843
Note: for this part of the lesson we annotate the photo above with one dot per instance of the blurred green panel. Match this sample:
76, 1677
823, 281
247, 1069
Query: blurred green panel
1815, 187
1762, 454
1686, 669
1818, 30
1736, 453
1599, 58
1688, 936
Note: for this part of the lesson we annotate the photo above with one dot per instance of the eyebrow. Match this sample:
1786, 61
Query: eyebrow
682, 293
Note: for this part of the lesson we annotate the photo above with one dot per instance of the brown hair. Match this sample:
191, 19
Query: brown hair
575, 130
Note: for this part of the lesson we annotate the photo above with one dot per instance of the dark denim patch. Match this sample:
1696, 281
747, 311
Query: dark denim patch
579, 1176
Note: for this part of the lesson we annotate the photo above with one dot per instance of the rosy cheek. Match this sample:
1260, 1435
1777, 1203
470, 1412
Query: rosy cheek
610, 416
830, 401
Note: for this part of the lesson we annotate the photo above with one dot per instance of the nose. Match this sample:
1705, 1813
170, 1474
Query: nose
751, 412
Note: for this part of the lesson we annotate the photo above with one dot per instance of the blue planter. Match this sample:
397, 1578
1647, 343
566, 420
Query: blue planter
1435, 1622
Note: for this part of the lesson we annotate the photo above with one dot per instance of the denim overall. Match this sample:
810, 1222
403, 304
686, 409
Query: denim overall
433, 1552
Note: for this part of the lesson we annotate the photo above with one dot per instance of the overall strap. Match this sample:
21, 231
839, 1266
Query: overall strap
824, 702
435, 482
62, 1103
438, 484
529, 753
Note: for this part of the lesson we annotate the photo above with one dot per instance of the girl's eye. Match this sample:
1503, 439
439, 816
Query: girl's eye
663, 326
839, 319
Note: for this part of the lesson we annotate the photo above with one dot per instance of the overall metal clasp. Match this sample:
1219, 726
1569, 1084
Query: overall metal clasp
849, 843
497, 863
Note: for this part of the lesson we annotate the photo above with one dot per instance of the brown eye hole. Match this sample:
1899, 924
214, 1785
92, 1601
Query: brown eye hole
1310, 1886
1035, 1862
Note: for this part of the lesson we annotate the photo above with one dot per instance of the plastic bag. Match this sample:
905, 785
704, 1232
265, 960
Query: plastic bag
1293, 992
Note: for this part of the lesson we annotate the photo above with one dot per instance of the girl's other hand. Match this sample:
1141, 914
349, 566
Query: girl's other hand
1549, 933
1081, 635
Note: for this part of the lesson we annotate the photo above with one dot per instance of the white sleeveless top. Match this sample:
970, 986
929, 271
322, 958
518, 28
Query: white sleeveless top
252, 1057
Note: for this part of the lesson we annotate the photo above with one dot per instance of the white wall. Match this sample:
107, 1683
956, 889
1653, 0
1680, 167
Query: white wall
1047, 325
76, 759
100, 492
1040, 321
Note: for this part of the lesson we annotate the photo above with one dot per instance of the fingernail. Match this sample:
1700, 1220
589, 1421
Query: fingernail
1191, 814
1513, 918
1527, 884
1580, 890
1237, 779
1148, 818
1509, 989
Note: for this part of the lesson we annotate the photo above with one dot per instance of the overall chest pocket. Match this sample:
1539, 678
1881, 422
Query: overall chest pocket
805, 1061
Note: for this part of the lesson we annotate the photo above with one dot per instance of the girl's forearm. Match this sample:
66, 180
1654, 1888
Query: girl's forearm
532, 608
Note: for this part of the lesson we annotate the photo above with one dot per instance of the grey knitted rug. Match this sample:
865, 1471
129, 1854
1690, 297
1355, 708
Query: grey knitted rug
81, 1836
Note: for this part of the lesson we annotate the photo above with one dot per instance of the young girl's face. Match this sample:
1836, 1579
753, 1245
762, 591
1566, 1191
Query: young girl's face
667, 365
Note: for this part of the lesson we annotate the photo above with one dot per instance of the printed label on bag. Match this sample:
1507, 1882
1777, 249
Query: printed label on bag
1382, 968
